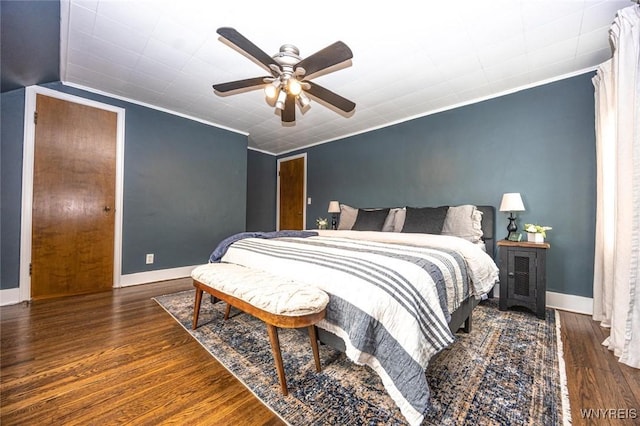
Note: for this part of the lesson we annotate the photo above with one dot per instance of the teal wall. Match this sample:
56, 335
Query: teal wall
470, 154
30, 47
539, 142
11, 136
184, 186
261, 191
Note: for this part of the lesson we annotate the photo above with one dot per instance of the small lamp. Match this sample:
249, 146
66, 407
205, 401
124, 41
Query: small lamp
511, 202
334, 209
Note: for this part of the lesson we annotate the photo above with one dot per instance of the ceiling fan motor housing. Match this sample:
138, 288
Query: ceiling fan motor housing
288, 55
287, 58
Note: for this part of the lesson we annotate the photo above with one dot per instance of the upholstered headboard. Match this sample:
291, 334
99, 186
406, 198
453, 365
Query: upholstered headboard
489, 228
488, 223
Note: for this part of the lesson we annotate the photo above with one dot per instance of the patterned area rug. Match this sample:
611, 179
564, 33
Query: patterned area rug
506, 371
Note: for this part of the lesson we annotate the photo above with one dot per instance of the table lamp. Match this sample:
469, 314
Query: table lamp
334, 209
511, 202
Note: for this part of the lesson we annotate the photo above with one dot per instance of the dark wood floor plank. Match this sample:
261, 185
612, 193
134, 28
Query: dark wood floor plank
155, 387
112, 358
627, 377
92, 375
632, 376
595, 378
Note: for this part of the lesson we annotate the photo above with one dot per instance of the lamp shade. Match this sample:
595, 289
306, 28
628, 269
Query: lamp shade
512, 202
334, 207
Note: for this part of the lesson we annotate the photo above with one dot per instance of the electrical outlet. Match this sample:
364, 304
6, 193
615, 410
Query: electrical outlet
149, 258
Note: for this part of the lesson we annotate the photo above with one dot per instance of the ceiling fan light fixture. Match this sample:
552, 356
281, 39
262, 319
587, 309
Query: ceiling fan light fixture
271, 90
294, 87
282, 97
303, 100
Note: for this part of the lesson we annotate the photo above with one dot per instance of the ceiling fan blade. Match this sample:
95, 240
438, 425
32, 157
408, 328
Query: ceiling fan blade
240, 84
243, 43
329, 56
288, 114
332, 98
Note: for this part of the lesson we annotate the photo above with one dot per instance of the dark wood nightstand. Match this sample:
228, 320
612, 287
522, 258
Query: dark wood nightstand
523, 275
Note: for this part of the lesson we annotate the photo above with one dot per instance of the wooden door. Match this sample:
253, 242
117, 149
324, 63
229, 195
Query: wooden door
291, 175
73, 222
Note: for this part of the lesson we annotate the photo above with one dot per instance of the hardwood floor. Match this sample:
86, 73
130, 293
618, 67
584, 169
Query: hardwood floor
113, 358
595, 378
117, 357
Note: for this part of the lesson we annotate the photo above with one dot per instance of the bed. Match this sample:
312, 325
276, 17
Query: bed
396, 298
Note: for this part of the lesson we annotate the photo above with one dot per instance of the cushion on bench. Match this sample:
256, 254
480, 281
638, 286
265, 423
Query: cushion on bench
271, 293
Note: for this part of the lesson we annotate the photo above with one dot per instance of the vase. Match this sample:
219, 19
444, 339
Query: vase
535, 237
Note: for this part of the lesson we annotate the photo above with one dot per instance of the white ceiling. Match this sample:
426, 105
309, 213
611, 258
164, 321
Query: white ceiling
411, 58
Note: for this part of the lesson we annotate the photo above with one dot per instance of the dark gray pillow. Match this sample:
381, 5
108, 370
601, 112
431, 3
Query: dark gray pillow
425, 220
370, 220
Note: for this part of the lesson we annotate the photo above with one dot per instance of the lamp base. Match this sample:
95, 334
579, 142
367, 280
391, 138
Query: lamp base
512, 227
334, 223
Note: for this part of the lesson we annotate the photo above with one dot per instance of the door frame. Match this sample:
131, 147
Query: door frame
28, 153
304, 190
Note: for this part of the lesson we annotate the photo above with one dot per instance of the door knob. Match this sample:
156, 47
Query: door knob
107, 209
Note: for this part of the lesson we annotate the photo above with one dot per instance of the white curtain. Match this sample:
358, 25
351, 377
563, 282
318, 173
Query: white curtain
616, 292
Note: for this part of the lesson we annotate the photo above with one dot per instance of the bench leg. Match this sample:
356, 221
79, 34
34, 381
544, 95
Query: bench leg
227, 312
314, 346
196, 308
277, 356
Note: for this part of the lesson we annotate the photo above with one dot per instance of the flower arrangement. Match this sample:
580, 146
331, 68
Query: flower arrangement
537, 229
322, 223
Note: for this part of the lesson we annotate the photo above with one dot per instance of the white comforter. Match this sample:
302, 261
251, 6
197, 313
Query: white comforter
482, 269
390, 295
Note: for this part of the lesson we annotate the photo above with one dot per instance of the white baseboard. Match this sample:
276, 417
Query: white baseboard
570, 302
153, 276
564, 302
9, 296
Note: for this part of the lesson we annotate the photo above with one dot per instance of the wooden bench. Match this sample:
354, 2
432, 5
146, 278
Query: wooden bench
278, 301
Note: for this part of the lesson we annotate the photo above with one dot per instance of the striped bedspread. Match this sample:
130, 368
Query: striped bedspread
390, 295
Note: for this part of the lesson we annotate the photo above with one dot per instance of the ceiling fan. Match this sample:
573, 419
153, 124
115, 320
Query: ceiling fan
289, 82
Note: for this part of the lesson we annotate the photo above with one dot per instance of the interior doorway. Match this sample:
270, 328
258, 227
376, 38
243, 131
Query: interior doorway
73, 199
292, 192
72, 195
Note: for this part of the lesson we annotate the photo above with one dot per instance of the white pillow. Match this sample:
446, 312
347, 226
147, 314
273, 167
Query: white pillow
389, 222
398, 220
348, 217
465, 222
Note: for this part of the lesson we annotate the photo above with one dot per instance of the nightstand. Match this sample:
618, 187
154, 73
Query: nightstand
523, 275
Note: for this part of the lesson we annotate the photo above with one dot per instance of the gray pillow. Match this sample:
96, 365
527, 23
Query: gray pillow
425, 220
348, 216
370, 220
